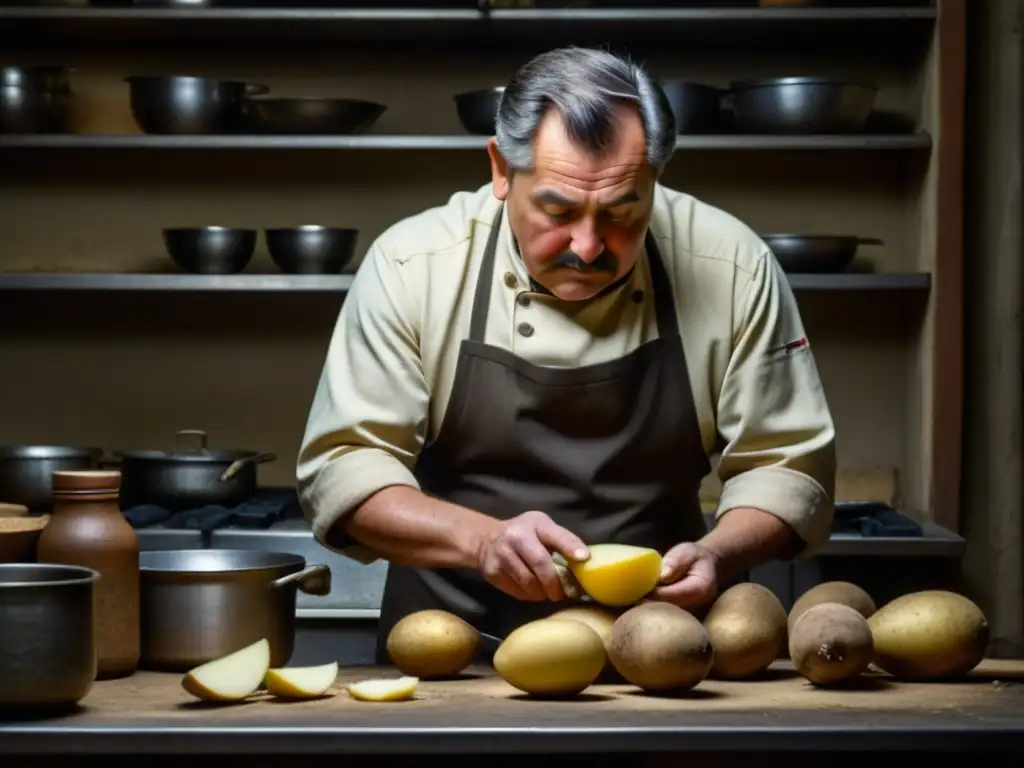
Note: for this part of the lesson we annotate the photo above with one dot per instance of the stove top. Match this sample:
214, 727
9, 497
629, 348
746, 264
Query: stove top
268, 508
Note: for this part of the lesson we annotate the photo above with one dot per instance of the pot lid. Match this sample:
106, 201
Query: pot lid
48, 452
204, 456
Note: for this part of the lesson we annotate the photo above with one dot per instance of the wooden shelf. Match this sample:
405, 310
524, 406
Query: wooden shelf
744, 28
908, 142
273, 283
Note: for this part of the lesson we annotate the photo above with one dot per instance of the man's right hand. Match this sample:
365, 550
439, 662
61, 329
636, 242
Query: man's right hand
517, 559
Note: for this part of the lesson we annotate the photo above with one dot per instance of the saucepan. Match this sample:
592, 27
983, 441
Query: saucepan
26, 471
803, 254
201, 604
188, 478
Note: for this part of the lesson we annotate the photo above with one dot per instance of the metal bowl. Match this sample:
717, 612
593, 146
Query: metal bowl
815, 254
313, 116
186, 105
311, 250
210, 250
48, 635
478, 110
697, 107
801, 105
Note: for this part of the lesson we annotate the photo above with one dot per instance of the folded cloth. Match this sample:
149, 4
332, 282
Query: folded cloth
873, 519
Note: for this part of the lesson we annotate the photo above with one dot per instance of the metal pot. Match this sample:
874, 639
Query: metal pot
189, 479
696, 106
801, 105
312, 116
202, 604
815, 254
34, 99
182, 104
47, 635
26, 471
478, 110
311, 250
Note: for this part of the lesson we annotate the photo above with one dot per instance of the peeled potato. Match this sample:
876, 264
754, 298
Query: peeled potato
842, 592
232, 677
432, 643
382, 689
618, 574
551, 657
660, 647
830, 643
301, 682
933, 633
747, 628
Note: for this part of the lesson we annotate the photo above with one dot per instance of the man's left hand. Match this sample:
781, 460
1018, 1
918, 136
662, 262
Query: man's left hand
689, 576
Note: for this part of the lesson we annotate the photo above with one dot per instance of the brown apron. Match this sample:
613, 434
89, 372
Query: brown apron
610, 451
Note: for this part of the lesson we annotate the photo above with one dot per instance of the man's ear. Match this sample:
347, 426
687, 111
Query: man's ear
500, 178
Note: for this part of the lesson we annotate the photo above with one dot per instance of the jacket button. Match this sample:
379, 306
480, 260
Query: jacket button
525, 329
510, 280
523, 300
638, 296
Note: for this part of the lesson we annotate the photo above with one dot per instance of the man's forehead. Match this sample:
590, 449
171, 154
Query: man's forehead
560, 160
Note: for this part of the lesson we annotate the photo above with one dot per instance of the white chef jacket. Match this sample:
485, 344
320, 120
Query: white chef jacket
391, 363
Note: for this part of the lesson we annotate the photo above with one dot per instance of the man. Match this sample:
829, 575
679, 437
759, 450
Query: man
548, 362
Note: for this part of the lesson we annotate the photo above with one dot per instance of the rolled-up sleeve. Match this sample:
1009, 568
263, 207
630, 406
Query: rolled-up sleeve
369, 413
779, 453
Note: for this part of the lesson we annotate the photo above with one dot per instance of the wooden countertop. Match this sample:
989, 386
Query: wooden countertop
480, 711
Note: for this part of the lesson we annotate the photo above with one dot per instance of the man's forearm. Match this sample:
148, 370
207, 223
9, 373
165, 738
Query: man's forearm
403, 525
745, 537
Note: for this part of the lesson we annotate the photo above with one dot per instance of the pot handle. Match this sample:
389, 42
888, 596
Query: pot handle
239, 464
256, 89
313, 580
200, 433
869, 241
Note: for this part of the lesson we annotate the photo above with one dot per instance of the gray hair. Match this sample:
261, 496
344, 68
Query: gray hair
585, 85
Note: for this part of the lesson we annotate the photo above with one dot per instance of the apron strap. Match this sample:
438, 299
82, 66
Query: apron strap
482, 299
664, 303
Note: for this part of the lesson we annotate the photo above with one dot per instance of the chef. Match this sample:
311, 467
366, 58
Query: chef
549, 361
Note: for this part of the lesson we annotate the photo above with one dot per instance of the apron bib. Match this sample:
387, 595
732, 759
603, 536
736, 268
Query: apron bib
610, 451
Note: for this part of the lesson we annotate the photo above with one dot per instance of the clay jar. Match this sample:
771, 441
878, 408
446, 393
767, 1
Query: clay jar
87, 528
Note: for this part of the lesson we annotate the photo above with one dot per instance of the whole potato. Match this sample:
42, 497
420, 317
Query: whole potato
598, 619
660, 647
551, 657
747, 629
432, 643
830, 643
842, 592
927, 634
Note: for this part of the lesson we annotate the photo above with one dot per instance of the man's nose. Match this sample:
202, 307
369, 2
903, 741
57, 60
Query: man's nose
587, 242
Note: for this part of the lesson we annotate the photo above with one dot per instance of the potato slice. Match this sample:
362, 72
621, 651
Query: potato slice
618, 574
383, 689
230, 678
301, 682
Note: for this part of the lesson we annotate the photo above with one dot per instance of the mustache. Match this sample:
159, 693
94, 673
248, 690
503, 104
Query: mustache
606, 262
